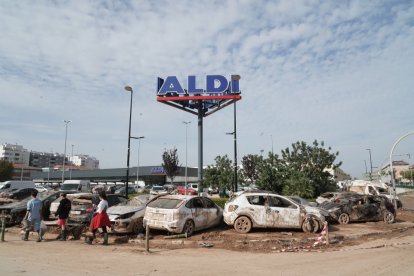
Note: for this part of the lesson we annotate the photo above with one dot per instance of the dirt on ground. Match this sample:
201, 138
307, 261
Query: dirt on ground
371, 248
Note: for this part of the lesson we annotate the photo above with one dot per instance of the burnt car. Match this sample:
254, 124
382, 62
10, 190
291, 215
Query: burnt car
182, 213
17, 210
83, 206
127, 217
361, 208
262, 209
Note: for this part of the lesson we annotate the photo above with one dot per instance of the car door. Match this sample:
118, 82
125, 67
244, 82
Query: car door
283, 212
257, 211
198, 212
214, 213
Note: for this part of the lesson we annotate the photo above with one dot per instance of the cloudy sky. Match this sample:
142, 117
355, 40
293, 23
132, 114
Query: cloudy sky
336, 71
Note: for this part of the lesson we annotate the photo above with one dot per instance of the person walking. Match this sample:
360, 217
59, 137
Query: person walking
100, 219
63, 213
33, 217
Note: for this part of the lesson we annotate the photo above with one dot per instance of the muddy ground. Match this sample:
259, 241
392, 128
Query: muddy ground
274, 240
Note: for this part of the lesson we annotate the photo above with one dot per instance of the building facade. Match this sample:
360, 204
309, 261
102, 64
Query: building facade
46, 160
14, 153
86, 161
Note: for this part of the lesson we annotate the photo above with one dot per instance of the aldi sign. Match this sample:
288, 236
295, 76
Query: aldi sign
213, 84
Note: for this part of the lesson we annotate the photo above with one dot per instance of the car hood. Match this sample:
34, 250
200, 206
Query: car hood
122, 210
14, 205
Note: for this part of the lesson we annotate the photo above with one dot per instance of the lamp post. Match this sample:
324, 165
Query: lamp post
128, 88
186, 128
139, 145
370, 162
64, 155
391, 168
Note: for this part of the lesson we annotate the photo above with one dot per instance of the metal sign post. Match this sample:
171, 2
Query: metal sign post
218, 94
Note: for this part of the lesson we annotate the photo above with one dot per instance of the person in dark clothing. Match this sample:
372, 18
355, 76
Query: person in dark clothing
63, 213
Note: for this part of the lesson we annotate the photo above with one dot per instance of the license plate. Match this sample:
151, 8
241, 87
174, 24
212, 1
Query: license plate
75, 212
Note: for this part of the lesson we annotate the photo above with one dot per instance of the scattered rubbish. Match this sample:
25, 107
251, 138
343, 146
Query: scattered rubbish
205, 244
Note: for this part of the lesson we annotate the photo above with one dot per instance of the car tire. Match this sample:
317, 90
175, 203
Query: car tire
310, 225
242, 225
188, 227
343, 218
389, 217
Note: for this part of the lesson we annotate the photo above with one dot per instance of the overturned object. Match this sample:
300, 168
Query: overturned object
179, 236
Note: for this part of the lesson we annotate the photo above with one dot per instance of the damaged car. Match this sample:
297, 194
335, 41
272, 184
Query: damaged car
361, 208
127, 217
17, 210
83, 206
182, 214
248, 210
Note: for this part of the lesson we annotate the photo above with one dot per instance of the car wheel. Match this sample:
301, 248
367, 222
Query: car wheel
310, 225
188, 227
343, 218
243, 225
389, 217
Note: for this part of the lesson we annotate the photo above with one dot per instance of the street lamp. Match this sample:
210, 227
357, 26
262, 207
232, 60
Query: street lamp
370, 162
186, 126
139, 145
235, 150
129, 89
64, 156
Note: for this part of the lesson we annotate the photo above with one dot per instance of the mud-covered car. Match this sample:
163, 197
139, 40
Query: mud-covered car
247, 210
82, 206
127, 217
182, 213
17, 210
361, 208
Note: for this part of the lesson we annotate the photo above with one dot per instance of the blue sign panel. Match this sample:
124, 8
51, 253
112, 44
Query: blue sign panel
214, 84
157, 170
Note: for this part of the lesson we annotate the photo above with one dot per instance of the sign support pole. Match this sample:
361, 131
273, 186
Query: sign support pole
200, 146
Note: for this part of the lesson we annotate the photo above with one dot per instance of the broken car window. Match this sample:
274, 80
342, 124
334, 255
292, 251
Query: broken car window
280, 202
257, 200
165, 203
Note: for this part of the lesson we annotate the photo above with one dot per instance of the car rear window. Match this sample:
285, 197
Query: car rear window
165, 203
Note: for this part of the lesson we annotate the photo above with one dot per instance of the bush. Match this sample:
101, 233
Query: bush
219, 201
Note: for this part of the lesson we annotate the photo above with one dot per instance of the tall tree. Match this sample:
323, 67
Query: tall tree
170, 163
311, 161
271, 174
6, 170
250, 164
220, 174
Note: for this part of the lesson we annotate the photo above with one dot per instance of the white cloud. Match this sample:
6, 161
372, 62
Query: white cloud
333, 71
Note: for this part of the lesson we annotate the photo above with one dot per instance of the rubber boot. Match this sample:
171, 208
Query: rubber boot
89, 240
39, 236
105, 241
62, 235
26, 236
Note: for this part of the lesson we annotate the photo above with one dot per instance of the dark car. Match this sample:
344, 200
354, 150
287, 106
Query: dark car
82, 206
17, 210
361, 208
21, 193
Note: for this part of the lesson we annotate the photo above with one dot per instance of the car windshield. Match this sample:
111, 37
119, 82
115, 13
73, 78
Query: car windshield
157, 188
165, 203
67, 187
